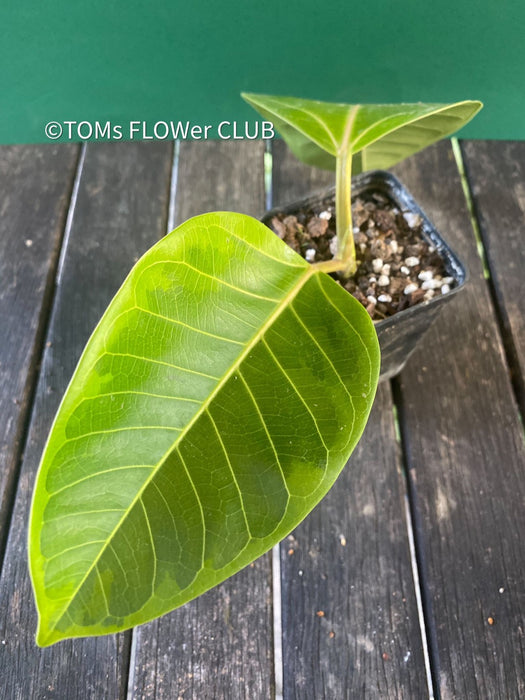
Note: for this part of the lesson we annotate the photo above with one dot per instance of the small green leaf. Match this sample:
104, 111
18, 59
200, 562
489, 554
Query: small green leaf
318, 132
214, 405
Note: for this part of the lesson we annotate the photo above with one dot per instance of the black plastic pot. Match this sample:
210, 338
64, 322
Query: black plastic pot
399, 334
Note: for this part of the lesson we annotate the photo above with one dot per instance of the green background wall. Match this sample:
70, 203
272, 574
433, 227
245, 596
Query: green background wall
159, 60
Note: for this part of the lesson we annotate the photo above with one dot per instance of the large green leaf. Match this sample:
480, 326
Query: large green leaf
383, 135
213, 407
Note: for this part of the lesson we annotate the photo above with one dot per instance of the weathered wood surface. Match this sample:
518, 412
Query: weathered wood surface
35, 185
350, 623
221, 644
119, 212
466, 460
462, 443
350, 559
496, 175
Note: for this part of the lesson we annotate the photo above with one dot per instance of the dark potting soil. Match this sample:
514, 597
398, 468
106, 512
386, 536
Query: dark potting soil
396, 267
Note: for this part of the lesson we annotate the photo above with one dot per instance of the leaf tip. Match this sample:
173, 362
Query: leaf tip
45, 634
479, 105
43, 638
476, 104
248, 97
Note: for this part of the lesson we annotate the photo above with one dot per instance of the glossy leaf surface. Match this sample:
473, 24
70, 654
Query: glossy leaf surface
213, 407
383, 135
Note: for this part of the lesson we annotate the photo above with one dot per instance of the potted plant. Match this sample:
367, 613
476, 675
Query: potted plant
214, 405
395, 261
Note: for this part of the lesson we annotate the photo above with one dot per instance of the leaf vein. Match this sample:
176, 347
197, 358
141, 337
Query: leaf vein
213, 277
297, 392
340, 379
83, 512
153, 483
198, 502
138, 393
95, 474
157, 362
358, 335
120, 430
106, 602
323, 124
263, 422
231, 470
184, 325
119, 562
153, 549
71, 549
258, 250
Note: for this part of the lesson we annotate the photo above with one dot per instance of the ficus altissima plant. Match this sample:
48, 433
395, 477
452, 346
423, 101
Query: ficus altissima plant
217, 400
353, 138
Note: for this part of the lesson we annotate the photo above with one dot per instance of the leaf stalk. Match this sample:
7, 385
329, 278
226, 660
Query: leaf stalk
343, 213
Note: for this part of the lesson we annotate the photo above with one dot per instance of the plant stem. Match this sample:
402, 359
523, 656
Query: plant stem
328, 266
343, 213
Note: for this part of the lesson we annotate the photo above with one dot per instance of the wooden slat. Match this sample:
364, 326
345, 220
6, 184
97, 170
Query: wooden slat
219, 645
350, 559
496, 174
466, 460
35, 185
120, 211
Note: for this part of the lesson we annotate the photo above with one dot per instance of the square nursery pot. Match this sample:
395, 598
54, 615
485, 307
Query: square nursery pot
398, 334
